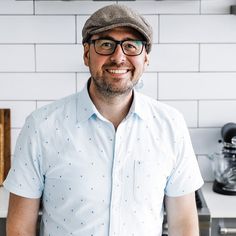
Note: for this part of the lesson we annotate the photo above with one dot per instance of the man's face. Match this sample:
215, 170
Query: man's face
117, 73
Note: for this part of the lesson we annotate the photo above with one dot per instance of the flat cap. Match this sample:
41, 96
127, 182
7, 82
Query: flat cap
117, 15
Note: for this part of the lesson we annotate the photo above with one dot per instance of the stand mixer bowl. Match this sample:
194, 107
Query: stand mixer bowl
224, 162
224, 169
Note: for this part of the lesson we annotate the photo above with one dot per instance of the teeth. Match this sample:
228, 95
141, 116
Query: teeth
117, 71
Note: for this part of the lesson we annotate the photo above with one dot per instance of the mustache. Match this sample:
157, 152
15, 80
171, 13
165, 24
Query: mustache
111, 64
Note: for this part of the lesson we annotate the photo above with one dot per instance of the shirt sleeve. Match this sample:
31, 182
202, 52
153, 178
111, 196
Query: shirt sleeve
186, 176
25, 177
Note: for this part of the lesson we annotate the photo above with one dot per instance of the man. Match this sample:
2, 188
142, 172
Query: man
104, 159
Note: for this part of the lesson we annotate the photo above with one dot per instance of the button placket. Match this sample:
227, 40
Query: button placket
116, 185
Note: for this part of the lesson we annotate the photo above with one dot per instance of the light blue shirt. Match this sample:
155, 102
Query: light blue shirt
98, 181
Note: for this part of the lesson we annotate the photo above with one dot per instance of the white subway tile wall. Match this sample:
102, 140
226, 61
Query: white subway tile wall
69, 7
174, 57
216, 6
17, 58
59, 58
19, 111
37, 29
188, 108
13, 7
218, 57
192, 63
197, 86
198, 29
36, 86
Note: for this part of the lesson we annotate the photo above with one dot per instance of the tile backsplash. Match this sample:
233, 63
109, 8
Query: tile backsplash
192, 63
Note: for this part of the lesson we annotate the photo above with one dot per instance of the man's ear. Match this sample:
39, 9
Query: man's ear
146, 61
86, 54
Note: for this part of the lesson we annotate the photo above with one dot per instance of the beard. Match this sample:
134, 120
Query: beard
111, 87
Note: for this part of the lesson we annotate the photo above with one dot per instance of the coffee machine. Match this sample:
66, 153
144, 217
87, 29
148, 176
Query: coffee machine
224, 162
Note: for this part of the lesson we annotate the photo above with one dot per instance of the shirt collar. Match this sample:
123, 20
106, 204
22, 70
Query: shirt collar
86, 109
139, 106
84, 105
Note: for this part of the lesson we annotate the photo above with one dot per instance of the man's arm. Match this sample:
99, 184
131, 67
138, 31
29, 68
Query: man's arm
182, 215
22, 216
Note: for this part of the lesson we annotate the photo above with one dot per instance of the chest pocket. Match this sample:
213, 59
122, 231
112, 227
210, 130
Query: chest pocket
149, 181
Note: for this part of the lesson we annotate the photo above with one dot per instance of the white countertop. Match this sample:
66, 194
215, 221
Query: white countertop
220, 206
4, 196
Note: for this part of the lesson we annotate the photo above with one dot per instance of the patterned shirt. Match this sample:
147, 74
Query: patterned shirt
96, 180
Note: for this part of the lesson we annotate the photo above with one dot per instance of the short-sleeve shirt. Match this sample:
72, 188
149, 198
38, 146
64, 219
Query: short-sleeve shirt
95, 180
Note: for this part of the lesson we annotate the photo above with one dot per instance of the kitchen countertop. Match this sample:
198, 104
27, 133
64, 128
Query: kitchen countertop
4, 196
220, 206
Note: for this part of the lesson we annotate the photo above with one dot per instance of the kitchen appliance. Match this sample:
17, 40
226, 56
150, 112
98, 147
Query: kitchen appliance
224, 162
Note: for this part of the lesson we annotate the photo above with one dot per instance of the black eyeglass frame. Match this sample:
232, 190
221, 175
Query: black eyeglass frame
92, 41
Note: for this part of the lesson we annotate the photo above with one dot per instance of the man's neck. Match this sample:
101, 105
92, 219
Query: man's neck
115, 108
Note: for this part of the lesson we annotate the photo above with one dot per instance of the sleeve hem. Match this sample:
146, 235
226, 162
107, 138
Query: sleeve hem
17, 191
179, 194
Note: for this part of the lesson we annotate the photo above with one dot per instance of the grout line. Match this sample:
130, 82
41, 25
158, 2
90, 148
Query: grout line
76, 38
192, 72
49, 44
155, 43
159, 29
35, 105
76, 82
42, 72
150, 72
34, 7
200, 99
158, 86
86, 14
198, 114
33, 100
35, 58
200, 7
199, 57
164, 100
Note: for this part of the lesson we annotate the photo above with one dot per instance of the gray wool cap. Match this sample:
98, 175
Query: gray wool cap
113, 16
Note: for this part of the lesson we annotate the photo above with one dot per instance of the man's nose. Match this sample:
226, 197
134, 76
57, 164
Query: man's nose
118, 56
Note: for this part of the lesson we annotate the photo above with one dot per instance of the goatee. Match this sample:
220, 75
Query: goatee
108, 90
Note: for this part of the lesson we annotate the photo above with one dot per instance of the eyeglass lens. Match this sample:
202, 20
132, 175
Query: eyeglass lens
108, 46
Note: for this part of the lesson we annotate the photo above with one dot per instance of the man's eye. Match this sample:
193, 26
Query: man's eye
106, 44
130, 46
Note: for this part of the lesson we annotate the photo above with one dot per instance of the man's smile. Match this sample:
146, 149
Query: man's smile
119, 71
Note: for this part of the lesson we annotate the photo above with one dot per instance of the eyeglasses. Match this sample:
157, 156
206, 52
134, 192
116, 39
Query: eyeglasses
108, 46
